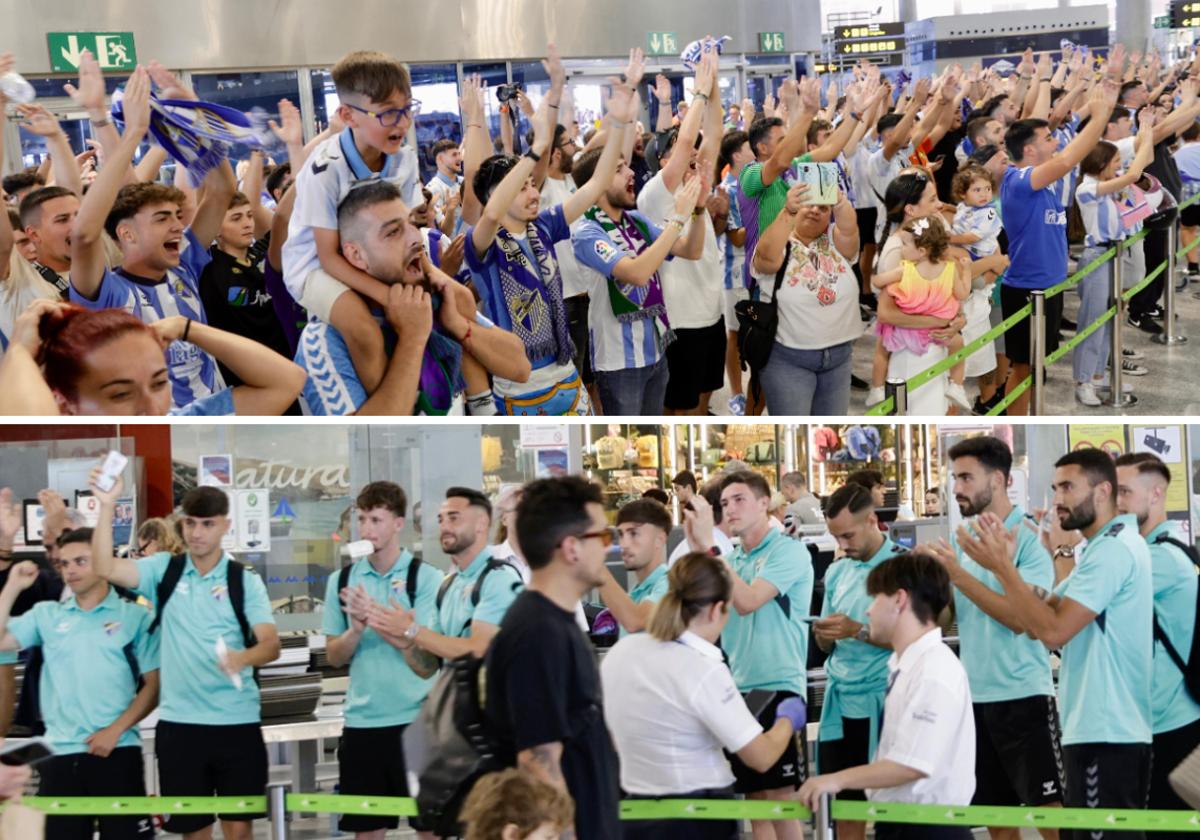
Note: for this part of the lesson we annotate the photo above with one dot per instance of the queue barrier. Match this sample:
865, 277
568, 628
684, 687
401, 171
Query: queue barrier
280, 803
895, 402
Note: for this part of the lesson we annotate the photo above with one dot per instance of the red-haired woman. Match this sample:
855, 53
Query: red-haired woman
64, 359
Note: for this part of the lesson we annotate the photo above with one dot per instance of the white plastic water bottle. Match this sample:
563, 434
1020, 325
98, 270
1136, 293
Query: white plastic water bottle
16, 89
359, 549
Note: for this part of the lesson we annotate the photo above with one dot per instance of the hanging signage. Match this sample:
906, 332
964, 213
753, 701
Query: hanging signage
771, 42
662, 43
868, 31
543, 436
253, 520
113, 50
1183, 15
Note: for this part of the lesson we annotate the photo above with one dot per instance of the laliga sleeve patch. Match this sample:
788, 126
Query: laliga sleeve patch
605, 250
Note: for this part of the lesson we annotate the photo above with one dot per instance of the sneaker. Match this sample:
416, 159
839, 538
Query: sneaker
1130, 353
1130, 368
1145, 324
875, 396
1184, 279
1067, 324
958, 395
1085, 394
1157, 312
859, 384
737, 405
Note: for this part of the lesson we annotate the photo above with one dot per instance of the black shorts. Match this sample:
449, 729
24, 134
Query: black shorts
696, 362
790, 771
1190, 216
120, 774
371, 763
1106, 776
200, 760
1018, 758
1016, 340
577, 327
868, 217
853, 749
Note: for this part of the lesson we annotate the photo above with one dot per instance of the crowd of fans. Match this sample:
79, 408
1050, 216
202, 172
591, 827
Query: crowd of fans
702, 690
602, 270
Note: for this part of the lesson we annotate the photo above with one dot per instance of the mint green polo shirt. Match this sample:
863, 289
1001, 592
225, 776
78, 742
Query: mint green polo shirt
652, 589
383, 691
1002, 665
194, 688
86, 681
1105, 679
500, 589
767, 649
1174, 577
859, 669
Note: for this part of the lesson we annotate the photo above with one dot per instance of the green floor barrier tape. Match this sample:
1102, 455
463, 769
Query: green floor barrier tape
1011, 398
1083, 272
328, 803
1077, 818
1077, 339
883, 409
1146, 281
954, 358
106, 806
711, 809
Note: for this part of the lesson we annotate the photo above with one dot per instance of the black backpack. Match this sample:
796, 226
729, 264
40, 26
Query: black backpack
1190, 669
758, 321
410, 584
477, 589
235, 581
29, 707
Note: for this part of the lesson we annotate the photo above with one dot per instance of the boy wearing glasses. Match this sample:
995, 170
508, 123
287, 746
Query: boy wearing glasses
378, 109
99, 679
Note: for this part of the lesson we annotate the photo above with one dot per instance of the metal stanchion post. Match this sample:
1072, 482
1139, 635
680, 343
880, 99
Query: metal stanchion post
1037, 352
277, 809
1118, 398
897, 389
1169, 335
823, 827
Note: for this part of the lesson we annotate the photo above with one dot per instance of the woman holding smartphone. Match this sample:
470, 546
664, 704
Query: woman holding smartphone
672, 706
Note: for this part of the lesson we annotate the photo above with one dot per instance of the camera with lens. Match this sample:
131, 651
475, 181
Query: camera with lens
507, 92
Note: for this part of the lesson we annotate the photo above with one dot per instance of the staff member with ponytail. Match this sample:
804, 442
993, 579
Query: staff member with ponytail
678, 706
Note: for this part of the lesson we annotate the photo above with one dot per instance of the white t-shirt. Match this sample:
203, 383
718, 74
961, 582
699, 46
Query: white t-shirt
671, 708
334, 168
864, 194
929, 725
440, 190
22, 287
554, 193
692, 288
880, 173
818, 301
1125, 148
723, 543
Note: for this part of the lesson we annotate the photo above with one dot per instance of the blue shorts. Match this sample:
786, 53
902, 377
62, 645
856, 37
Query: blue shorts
567, 397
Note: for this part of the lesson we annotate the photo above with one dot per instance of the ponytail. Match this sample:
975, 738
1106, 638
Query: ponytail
696, 581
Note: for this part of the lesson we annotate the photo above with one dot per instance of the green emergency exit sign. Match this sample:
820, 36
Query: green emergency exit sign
771, 42
1162, 22
113, 50
662, 43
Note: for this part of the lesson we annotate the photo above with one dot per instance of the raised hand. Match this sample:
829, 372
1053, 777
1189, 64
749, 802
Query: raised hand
10, 517
622, 105
1116, 62
662, 89
636, 68
810, 94
797, 197
687, 196
90, 94
136, 104
921, 89
289, 129
409, 311
553, 66
172, 86
27, 327
22, 576
706, 75
37, 120
471, 99
1027, 67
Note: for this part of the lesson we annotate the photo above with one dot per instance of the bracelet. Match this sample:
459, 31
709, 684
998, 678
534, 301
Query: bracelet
186, 328
699, 211
854, 115
100, 123
548, 105
677, 222
474, 125
703, 96
534, 156
467, 337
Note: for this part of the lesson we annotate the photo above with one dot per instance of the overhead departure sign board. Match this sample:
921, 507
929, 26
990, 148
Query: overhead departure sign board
871, 31
880, 43
1185, 14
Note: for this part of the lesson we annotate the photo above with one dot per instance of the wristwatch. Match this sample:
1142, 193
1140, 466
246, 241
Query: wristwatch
412, 631
715, 551
864, 633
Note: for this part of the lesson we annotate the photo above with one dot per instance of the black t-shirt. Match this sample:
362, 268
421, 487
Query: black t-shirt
543, 686
47, 587
1163, 168
236, 300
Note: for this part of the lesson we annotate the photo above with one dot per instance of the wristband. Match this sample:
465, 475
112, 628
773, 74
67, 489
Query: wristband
100, 123
186, 328
854, 115
534, 156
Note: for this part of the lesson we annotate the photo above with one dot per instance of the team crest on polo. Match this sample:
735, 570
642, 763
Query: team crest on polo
111, 627
397, 586
219, 590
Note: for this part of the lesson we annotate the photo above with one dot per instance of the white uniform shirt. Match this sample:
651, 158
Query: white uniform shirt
556, 191
724, 545
671, 708
692, 288
504, 551
928, 725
